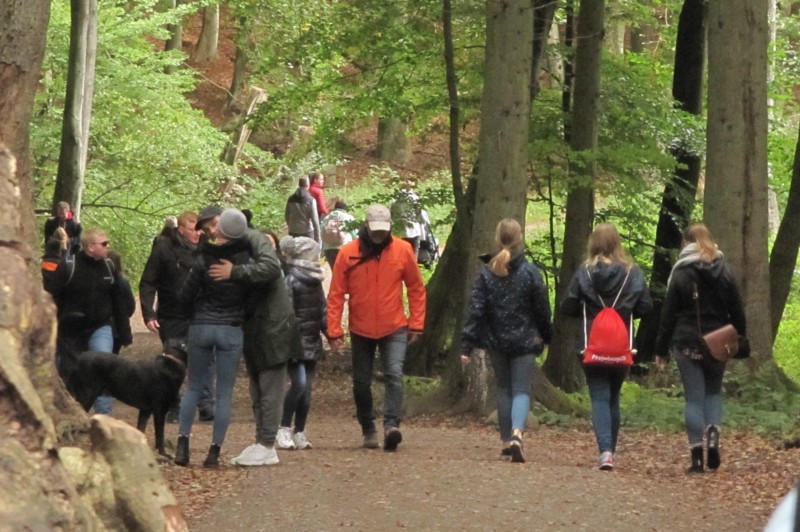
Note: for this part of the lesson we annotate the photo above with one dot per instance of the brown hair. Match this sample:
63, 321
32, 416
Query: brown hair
313, 177
508, 235
698, 233
605, 245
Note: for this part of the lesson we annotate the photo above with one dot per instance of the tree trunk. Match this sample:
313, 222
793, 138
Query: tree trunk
23, 27
240, 74
543, 12
736, 180
562, 365
783, 260
175, 41
206, 49
77, 105
393, 145
677, 201
569, 71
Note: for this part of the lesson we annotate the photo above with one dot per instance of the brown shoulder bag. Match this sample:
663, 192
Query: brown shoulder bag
723, 343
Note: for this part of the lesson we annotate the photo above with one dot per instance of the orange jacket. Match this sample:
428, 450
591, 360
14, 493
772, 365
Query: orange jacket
376, 291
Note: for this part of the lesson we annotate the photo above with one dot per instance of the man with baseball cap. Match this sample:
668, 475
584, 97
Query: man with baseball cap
372, 271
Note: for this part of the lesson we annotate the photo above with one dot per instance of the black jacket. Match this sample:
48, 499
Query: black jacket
718, 300
164, 274
73, 229
89, 299
591, 283
216, 302
508, 315
310, 308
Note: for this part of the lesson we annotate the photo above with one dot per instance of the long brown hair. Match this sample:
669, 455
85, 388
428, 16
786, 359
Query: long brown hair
698, 233
508, 235
605, 245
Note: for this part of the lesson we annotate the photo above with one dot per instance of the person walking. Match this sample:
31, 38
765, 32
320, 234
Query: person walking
509, 315
608, 277
301, 215
304, 277
65, 219
372, 271
335, 232
218, 315
315, 188
701, 296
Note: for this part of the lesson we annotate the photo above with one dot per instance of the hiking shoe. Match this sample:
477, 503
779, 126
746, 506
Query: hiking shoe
391, 438
283, 440
505, 453
301, 441
606, 461
516, 450
257, 455
712, 439
697, 459
371, 440
182, 451
212, 460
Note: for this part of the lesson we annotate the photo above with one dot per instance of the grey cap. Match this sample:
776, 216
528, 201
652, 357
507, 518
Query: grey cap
232, 224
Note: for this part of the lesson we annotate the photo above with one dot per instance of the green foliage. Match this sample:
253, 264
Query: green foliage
787, 343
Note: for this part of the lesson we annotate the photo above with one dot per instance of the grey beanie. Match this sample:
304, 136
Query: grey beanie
232, 224
299, 248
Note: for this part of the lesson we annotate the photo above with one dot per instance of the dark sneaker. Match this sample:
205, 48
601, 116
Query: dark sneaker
371, 440
516, 450
697, 460
505, 453
712, 437
391, 438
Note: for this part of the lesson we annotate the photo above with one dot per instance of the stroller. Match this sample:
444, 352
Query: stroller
428, 251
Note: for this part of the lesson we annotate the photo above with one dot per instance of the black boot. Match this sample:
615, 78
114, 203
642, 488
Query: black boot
182, 452
212, 460
712, 439
697, 459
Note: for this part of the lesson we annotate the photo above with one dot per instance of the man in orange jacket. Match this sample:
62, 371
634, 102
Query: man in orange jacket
372, 271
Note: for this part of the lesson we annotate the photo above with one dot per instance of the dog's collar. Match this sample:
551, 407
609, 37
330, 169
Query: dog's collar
171, 357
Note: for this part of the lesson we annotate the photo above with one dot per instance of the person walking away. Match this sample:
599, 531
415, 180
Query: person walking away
608, 277
304, 277
302, 218
216, 327
315, 188
509, 315
85, 289
335, 232
701, 296
372, 271
121, 326
65, 219
55, 250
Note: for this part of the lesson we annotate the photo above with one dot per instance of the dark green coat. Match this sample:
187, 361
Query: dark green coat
271, 336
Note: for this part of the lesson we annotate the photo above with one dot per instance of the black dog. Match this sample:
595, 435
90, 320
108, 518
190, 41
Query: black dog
150, 386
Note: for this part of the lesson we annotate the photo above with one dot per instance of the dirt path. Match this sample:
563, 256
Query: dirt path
447, 475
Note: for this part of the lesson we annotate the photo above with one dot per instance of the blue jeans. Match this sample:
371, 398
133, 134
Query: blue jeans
605, 384
514, 375
393, 353
298, 399
702, 388
203, 340
102, 339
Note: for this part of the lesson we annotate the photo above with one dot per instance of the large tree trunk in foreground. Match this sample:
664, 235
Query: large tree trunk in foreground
677, 201
393, 145
23, 27
562, 365
78, 104
736, 181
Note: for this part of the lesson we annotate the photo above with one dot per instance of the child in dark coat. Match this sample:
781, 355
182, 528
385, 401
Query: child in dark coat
304, 282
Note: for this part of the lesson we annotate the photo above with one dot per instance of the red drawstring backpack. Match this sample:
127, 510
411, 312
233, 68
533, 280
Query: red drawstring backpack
609, 342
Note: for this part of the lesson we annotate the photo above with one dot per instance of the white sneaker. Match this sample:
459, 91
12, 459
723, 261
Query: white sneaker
283, 440
606, 461
257, 455
300, 441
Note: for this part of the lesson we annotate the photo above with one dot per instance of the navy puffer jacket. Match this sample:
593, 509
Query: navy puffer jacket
508, 315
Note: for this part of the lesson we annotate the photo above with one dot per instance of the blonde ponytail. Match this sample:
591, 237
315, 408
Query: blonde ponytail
508, 235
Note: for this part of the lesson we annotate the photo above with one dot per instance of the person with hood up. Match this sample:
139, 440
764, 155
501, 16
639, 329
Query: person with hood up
304, 277
701, 296
608, 274
509, 316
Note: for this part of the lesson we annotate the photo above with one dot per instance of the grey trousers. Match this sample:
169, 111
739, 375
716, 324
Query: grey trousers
266, 391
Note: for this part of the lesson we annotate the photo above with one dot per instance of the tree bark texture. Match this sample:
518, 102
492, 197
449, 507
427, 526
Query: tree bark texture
175, 41
736, 181
783, 260
393, 144
78, 104
677, 201
23, 27
207, 44
240, 66
562, 365
543, 12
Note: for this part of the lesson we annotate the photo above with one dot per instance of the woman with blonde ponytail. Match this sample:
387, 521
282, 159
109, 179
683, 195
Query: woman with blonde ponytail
509, 316
607, 278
